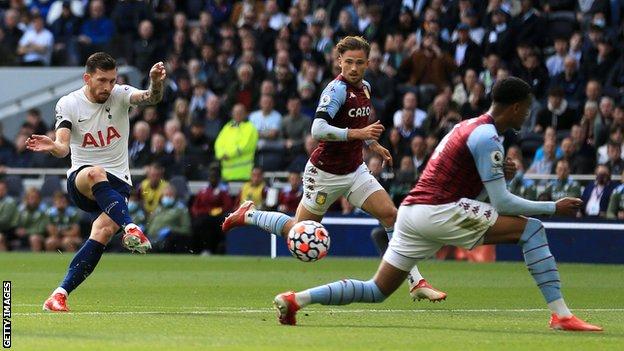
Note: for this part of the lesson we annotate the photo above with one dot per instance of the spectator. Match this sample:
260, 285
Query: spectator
127, 16
534, 73
96, 32
62, 225
406, 128
404, 180
376, 167
477, 103
255, 189
33, 118
158, 153
557, 112
243, 90
419, 153
544, 165
463, 88
199, 144
596, 194
268, 123
294, 128
152, 188
186, 161
616, 202
150, 115
584, 156
236, 145
145, 50
521, 186
169, 226
599, 64
213, 120
139, 148
208, 212
466, 52
36, 45
172, 126
490, 74
136, 212
563, 186
528, 26
290, 196
65, 30
616, 135
277, 19
571, 81
614, 153
555, 62
499, 40
594, 126
11, 35
8, 216
428, 67
410, 103
300, 160
22, 157
31, 221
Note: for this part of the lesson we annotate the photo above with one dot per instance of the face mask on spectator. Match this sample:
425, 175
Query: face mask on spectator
167, 201
133, 206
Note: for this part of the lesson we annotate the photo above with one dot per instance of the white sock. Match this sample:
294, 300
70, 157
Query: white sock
560, 308
60, 290
303, 298
249, 217
415, 275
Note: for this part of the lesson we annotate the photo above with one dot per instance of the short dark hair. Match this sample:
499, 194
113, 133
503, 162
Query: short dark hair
353, 43
101, 61
556, 91
510, 91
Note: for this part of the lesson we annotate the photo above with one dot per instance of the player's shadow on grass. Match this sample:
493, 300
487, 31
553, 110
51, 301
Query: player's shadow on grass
454, 329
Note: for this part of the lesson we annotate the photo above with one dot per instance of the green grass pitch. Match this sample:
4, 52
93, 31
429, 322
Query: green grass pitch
155, 302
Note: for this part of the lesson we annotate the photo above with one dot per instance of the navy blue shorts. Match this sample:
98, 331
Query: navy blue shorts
88, 205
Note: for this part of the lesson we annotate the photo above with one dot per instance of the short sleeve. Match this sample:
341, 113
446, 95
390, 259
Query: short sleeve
62, 113
124, 92
332, 98
487, 151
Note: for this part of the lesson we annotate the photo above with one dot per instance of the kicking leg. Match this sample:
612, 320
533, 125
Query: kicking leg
380, 206
387, 279
83, 263
93, 183
531, 236
270, 221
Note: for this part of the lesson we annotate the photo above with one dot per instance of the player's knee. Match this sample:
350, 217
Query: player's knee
96, 174
103, 233
389, 216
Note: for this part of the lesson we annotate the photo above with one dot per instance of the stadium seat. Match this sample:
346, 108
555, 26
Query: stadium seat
181, 185
15, 186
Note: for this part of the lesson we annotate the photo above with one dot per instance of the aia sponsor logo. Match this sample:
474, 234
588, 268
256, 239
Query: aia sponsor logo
102, 140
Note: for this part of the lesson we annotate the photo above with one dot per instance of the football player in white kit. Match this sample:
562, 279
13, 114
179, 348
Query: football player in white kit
92, 122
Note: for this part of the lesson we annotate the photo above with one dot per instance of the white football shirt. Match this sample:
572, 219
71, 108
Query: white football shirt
99, 132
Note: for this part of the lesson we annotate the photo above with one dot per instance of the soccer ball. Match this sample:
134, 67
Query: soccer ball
308, 241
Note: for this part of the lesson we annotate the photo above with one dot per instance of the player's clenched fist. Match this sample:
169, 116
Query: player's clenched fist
371, 132
158, 72
568, 206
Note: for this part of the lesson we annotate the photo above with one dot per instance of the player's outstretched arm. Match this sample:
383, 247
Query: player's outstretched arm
154, 93
57, 148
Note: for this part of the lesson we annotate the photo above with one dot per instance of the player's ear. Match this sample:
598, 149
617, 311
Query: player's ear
86, 77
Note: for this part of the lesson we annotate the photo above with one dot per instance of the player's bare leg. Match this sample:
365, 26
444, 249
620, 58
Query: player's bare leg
92, 182
529, 233
380, 206
385, 282
271, 221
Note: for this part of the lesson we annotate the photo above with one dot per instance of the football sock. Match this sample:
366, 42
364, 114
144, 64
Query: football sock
389, 231
542, 266
342, 292
414, 276
272, 222
112, 203
82, 265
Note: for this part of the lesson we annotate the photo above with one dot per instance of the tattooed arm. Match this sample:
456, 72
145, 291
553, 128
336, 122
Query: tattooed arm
154, 93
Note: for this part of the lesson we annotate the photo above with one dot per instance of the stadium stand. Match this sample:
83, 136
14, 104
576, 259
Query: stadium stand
433, 63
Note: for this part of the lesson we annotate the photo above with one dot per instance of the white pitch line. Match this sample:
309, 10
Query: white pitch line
330, 311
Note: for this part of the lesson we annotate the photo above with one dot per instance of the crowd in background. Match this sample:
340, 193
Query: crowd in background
244, 79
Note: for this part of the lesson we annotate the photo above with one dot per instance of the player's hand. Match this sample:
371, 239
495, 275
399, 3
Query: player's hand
383, 152
371, 132
158, 73
568, 206
40, 143
509, 168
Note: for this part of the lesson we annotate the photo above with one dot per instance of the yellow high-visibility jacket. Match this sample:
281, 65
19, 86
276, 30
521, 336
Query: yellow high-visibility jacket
235, 147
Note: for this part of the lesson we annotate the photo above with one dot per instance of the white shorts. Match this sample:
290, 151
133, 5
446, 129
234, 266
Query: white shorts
321, 189
421, 230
